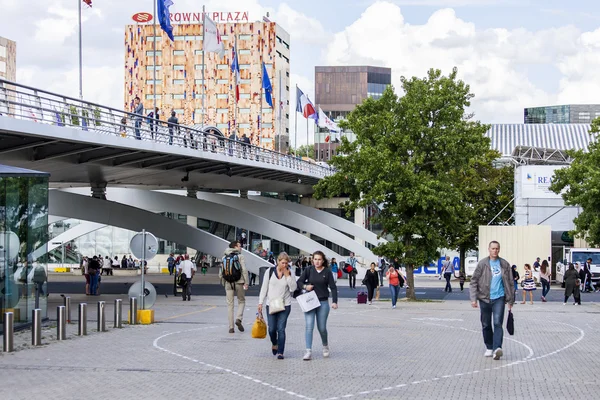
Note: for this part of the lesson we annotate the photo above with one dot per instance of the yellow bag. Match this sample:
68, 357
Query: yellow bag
259, 328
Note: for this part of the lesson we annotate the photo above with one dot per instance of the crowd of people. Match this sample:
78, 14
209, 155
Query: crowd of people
94, 267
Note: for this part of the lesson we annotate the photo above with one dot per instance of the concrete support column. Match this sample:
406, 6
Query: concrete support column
193, 222
192, 192
360, 220
98, 190
244, 194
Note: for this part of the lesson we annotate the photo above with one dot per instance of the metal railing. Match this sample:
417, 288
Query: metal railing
27, 103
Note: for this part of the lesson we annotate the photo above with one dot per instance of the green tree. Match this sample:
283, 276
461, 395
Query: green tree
301, 151
487, 195
406, 156
580, 186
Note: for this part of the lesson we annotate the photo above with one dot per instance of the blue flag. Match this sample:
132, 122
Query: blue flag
163, 17
266, 84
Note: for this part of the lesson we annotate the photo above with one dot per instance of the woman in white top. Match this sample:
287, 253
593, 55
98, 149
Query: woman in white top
277, 289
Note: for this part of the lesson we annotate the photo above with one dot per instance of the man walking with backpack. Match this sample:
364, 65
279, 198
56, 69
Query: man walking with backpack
233, 275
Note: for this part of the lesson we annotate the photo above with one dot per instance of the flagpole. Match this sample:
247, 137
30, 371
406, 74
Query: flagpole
236, 89
307, 137
296, 126
280, 110
154, 69
203, 63
80, 55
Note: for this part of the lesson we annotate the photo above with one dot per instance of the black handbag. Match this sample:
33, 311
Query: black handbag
510, 323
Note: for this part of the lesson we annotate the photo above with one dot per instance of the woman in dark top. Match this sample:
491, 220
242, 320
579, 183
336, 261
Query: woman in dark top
572, 285
319, 278
371, 281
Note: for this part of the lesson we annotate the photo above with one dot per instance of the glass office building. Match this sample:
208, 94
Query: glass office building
563, 114
23, 238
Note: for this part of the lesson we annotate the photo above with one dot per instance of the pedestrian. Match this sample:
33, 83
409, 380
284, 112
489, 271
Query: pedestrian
124, 263
447, 271
516, 278
93, 270
318, 278
334, 269
545, 279
352, 261
232, 142
588, 283
153, 118
393, 276
245, 144
233, 275
101, 263
528, 284
572, 283
536, 264
171, 264
371, 281
138, 110
491, 288
277, 291
173, 124
86, 272
186, 270
114, 264
381, 269
461, 278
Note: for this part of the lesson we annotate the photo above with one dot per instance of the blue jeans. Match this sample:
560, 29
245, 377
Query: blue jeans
277, 323
395, 290
93, 283
321, 314
493, 310
545, 287
138, 125
448, 276
516, 286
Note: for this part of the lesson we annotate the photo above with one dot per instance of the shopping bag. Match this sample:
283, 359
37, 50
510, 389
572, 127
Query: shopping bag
259, 328
510, 323
308, 301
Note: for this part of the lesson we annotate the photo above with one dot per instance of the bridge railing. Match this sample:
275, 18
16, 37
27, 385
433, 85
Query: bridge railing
27, 103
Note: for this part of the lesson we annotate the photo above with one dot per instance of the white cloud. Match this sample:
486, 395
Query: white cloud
300, 26
493, 61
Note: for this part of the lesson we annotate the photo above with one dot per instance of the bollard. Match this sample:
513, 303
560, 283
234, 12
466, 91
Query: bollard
61, 323
36, 327
67, 304
132, 310
82, 319
101, 317
9, 343
118, 314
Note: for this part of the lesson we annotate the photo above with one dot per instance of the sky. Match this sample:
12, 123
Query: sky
513, 53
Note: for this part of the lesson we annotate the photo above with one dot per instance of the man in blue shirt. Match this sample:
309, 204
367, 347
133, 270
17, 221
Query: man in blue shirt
492, 286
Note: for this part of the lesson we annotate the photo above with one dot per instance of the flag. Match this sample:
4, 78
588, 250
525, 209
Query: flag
88, 2
305, 106
164, 17
212, 42
266, 84
235, 68
325, 122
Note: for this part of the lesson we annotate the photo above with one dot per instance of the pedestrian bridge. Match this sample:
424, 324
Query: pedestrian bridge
82, 143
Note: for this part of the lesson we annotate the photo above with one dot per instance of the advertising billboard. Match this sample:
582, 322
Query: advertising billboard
535, 180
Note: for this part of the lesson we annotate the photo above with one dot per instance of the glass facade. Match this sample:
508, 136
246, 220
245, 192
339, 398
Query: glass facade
565, 114
23, 238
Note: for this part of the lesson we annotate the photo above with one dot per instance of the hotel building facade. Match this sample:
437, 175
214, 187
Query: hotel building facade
179, 82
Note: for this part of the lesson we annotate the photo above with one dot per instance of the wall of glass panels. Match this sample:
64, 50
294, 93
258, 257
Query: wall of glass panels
23, 230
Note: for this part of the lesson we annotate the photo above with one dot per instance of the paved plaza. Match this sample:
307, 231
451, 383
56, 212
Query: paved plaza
422, 350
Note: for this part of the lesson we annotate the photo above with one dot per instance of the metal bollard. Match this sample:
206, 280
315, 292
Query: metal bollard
61, 323
101, 317
118, 313
82, 319
67, 304
36, 327
9, 331
133, 311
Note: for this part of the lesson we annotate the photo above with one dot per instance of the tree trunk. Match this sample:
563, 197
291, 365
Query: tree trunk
462, 252
410, 277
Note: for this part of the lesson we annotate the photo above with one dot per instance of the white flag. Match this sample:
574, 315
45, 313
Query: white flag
326, 122
212, 38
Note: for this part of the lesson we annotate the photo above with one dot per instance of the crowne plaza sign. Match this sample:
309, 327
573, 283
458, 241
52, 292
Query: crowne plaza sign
196, 17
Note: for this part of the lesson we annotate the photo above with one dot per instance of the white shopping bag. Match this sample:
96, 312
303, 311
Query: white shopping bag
308, 301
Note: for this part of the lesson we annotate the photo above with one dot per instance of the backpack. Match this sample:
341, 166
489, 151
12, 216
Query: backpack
231, 271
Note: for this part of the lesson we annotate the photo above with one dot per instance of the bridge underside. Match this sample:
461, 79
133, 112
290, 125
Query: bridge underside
75, 162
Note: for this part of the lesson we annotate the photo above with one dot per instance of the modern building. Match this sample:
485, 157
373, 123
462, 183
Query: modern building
8, 59
179, 86
338, 90
565, 114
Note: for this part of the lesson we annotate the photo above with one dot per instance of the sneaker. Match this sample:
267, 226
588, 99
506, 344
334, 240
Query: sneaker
370, 302
231, 330
497, 353
325, 351
238, 323
564, 304
488, 353
307, 355
280, 356
574, 303
393, 306
274, 350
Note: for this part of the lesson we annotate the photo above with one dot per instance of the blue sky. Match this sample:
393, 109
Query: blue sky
514, 53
